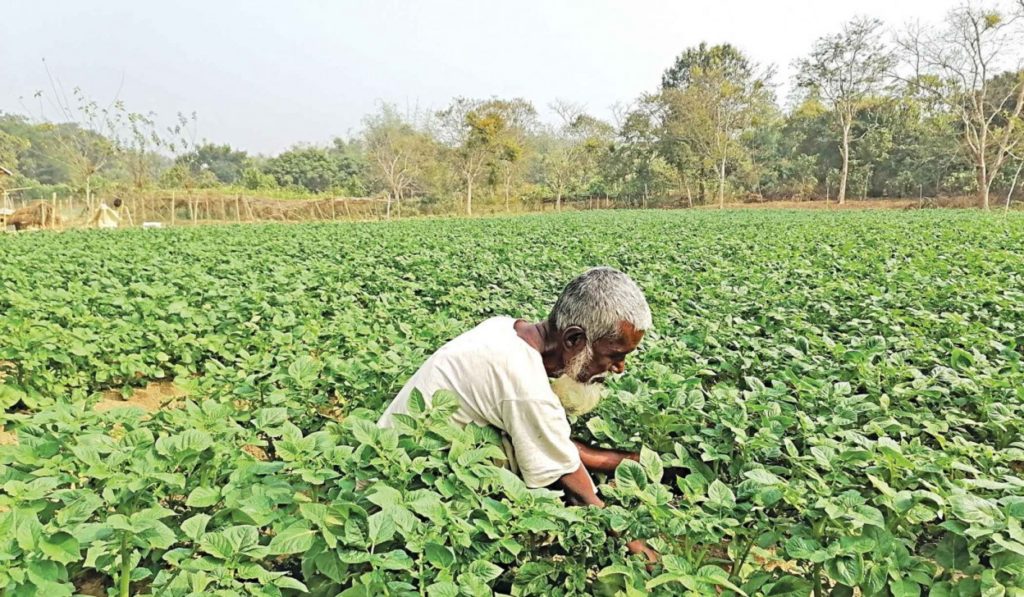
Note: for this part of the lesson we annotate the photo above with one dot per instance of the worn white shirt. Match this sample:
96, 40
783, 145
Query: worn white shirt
500, 380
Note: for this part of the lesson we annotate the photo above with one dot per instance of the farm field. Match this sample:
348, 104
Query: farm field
827, 402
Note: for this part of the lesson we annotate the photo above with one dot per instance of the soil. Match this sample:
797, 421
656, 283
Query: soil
92, 584
8, 439
154, 396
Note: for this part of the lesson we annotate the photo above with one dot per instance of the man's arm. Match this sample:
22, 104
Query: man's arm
580, 487
601, 460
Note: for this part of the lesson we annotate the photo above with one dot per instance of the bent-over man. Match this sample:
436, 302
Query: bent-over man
501, 370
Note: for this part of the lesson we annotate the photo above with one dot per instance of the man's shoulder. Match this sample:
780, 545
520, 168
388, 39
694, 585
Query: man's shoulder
494, 347
496, 333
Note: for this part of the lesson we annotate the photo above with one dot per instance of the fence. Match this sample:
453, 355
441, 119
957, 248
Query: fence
177, 208
184, 208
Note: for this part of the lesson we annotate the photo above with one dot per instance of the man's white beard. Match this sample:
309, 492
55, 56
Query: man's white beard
578, 398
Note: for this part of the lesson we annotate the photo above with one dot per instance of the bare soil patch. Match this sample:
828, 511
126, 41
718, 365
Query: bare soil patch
7, 438
93, 584
156, 395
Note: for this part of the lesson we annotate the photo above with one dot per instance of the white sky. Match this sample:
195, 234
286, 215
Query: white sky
264, 75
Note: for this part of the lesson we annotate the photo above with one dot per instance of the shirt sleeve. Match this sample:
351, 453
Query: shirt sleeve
539, 431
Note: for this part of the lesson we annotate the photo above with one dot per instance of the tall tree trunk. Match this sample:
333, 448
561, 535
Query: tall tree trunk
88, 192
558, 201
469, 195
982, 185
721, 184
845, 173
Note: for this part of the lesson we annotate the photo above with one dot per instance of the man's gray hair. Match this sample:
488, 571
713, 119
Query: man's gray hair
598, 301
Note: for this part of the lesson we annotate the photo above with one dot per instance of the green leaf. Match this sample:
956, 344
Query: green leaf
848, 570
975, 510
382, 527
61, 547
953, 552
790, 586
904, 588
268, 418
536, 524
720, 496
439, 555
443, 589
203, 497
630, 477
304, 371
961, 359
230, 542
297, 538
485, 570
195, 526
652, 464
385, 496
763, 477
287, 582
417, 404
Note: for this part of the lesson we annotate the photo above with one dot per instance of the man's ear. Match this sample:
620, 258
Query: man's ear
573, 339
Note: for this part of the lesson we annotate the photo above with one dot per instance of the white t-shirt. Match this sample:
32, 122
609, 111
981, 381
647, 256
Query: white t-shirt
500, 380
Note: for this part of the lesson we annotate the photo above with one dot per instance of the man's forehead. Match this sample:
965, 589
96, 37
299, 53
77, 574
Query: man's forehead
628, 338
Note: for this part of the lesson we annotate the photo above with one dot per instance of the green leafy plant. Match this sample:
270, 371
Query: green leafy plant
828, 403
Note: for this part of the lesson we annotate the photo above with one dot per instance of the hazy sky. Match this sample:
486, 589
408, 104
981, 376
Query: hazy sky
264, 75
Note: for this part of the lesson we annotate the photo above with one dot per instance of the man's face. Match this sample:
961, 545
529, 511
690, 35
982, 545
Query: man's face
609, 354
580, 385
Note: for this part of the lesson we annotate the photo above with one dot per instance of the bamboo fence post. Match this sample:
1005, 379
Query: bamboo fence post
248, 209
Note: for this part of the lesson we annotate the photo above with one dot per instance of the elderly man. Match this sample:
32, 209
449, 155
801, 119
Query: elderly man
501, 372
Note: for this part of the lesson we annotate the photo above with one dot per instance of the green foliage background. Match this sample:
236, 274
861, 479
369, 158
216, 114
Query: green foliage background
841, 392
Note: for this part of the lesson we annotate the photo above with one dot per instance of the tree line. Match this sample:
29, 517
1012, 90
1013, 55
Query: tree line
923, 111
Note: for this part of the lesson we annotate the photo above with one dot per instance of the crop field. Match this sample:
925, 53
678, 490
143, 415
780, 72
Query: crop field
829, 403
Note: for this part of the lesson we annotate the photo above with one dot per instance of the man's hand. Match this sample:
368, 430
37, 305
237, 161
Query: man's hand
580, 489
640, 547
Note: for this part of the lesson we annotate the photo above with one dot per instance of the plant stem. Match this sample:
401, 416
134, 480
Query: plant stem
126, 566
817, 580
743, 559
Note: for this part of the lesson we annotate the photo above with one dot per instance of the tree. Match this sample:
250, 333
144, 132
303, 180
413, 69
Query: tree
475, 133
513, 146
139, 147
395, 151
225, 163
637, 163
314, 169
713, 95
85, 134
847, 70
958, 65
11, 147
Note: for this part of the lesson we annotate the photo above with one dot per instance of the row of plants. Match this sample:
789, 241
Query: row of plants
827, 403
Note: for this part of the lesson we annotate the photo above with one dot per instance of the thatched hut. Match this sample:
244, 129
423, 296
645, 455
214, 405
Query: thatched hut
38, 215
